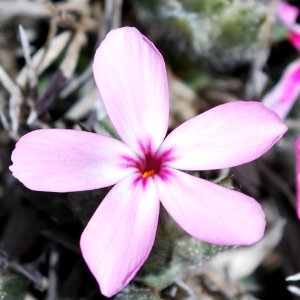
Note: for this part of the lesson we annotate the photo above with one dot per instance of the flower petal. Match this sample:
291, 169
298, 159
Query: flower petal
62, 160
131, 76
294, 36
287, 13
210, 212
283, 96
121, 233
225, 136
297, 154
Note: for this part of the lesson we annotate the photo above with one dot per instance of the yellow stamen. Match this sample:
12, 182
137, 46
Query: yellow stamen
148, 173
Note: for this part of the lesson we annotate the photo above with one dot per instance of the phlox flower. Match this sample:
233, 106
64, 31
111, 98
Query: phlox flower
144, 167
284, 94
281, 99
288, 15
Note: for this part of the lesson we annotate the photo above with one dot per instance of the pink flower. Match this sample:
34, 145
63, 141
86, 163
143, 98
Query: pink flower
288, 15
283, 96
131, 74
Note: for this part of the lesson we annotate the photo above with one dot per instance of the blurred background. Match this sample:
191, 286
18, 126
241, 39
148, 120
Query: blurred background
216, 51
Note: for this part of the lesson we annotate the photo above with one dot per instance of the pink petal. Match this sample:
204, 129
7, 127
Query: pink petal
225, 136
287, 13
62, 160
120, 235
294, 36
283, 96
131, 76
297, 154
210, 212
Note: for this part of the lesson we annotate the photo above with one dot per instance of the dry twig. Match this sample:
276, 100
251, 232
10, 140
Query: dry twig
15, 101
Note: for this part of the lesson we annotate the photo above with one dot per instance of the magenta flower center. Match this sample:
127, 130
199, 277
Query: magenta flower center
149, 165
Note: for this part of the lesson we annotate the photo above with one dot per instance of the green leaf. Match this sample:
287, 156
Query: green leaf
134, 293
12, 286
